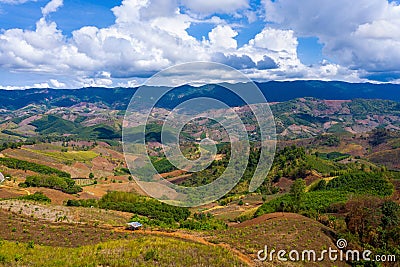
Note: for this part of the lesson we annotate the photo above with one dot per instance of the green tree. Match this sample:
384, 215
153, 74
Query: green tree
297, 191
391, 214
379, 136
321, 185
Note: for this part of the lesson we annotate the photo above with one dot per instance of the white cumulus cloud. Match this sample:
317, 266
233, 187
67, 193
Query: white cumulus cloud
222, 37
51, 7
280, 45
150, 35
56, 84
215, 6
361, 34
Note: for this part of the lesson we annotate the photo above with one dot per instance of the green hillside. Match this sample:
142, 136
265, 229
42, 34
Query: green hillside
54, 125
142, 251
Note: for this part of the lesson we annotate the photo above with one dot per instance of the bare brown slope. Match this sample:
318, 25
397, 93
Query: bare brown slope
279, 231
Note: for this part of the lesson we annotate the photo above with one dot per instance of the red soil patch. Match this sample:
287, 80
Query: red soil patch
173, 173
106, 152
99, 190
29, 120
86, 195
102, 164
284, 184
10, 193
179, 179
311, 178
57, 197
122, 178
77, 170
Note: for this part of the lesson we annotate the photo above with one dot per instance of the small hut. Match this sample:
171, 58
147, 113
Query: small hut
134, 226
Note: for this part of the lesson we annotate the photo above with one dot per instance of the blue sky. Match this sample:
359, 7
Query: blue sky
76, 43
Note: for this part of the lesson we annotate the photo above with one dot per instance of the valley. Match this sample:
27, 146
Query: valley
68, 193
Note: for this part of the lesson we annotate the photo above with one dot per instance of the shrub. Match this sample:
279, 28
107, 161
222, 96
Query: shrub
38, 196
152, 254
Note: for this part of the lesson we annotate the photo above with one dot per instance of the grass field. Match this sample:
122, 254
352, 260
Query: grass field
142, 251
80, 156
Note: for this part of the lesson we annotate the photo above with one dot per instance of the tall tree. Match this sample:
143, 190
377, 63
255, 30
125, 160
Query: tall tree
297, 192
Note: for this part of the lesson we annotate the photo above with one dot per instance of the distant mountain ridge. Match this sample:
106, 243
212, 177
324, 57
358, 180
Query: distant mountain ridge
118, 98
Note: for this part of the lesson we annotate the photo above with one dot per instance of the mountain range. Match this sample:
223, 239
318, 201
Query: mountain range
118, 98
301, 109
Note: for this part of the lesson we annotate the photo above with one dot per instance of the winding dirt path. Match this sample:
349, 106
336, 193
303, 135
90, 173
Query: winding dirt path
14, 188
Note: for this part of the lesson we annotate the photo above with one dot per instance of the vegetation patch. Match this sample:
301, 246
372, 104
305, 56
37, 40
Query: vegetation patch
312, 203
334, 156
66, 185
81, 156
151, 212
26, 165
361, 183
158, 213
37, 197
162, 165
142, 251
325, 193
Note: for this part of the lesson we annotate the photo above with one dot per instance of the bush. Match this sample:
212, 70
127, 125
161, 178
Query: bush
152, 254
38, 197
203, 221
82, 203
